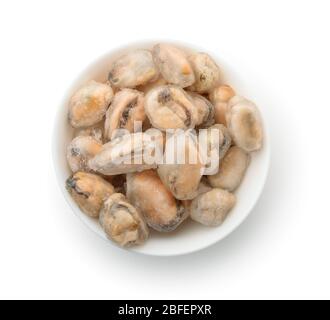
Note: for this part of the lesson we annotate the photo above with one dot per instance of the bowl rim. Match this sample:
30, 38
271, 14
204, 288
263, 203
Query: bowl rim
57, 167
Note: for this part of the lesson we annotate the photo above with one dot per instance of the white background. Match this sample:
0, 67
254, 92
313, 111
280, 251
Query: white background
283, 248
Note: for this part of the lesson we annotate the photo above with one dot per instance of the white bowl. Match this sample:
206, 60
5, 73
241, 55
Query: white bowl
190, 236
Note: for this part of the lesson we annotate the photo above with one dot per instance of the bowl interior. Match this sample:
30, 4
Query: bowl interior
190, 236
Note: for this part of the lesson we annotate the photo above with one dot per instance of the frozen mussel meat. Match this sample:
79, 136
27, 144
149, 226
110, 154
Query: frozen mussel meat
89, 192
170, 107
125, 111
173, 65
123, 223
211, 208
202, 188
182, 177
133, 69
147, 193
207, 72
232, 170
126, 154
89, 104
162, 139
219, 97
80, 151
244, 123
205, 110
